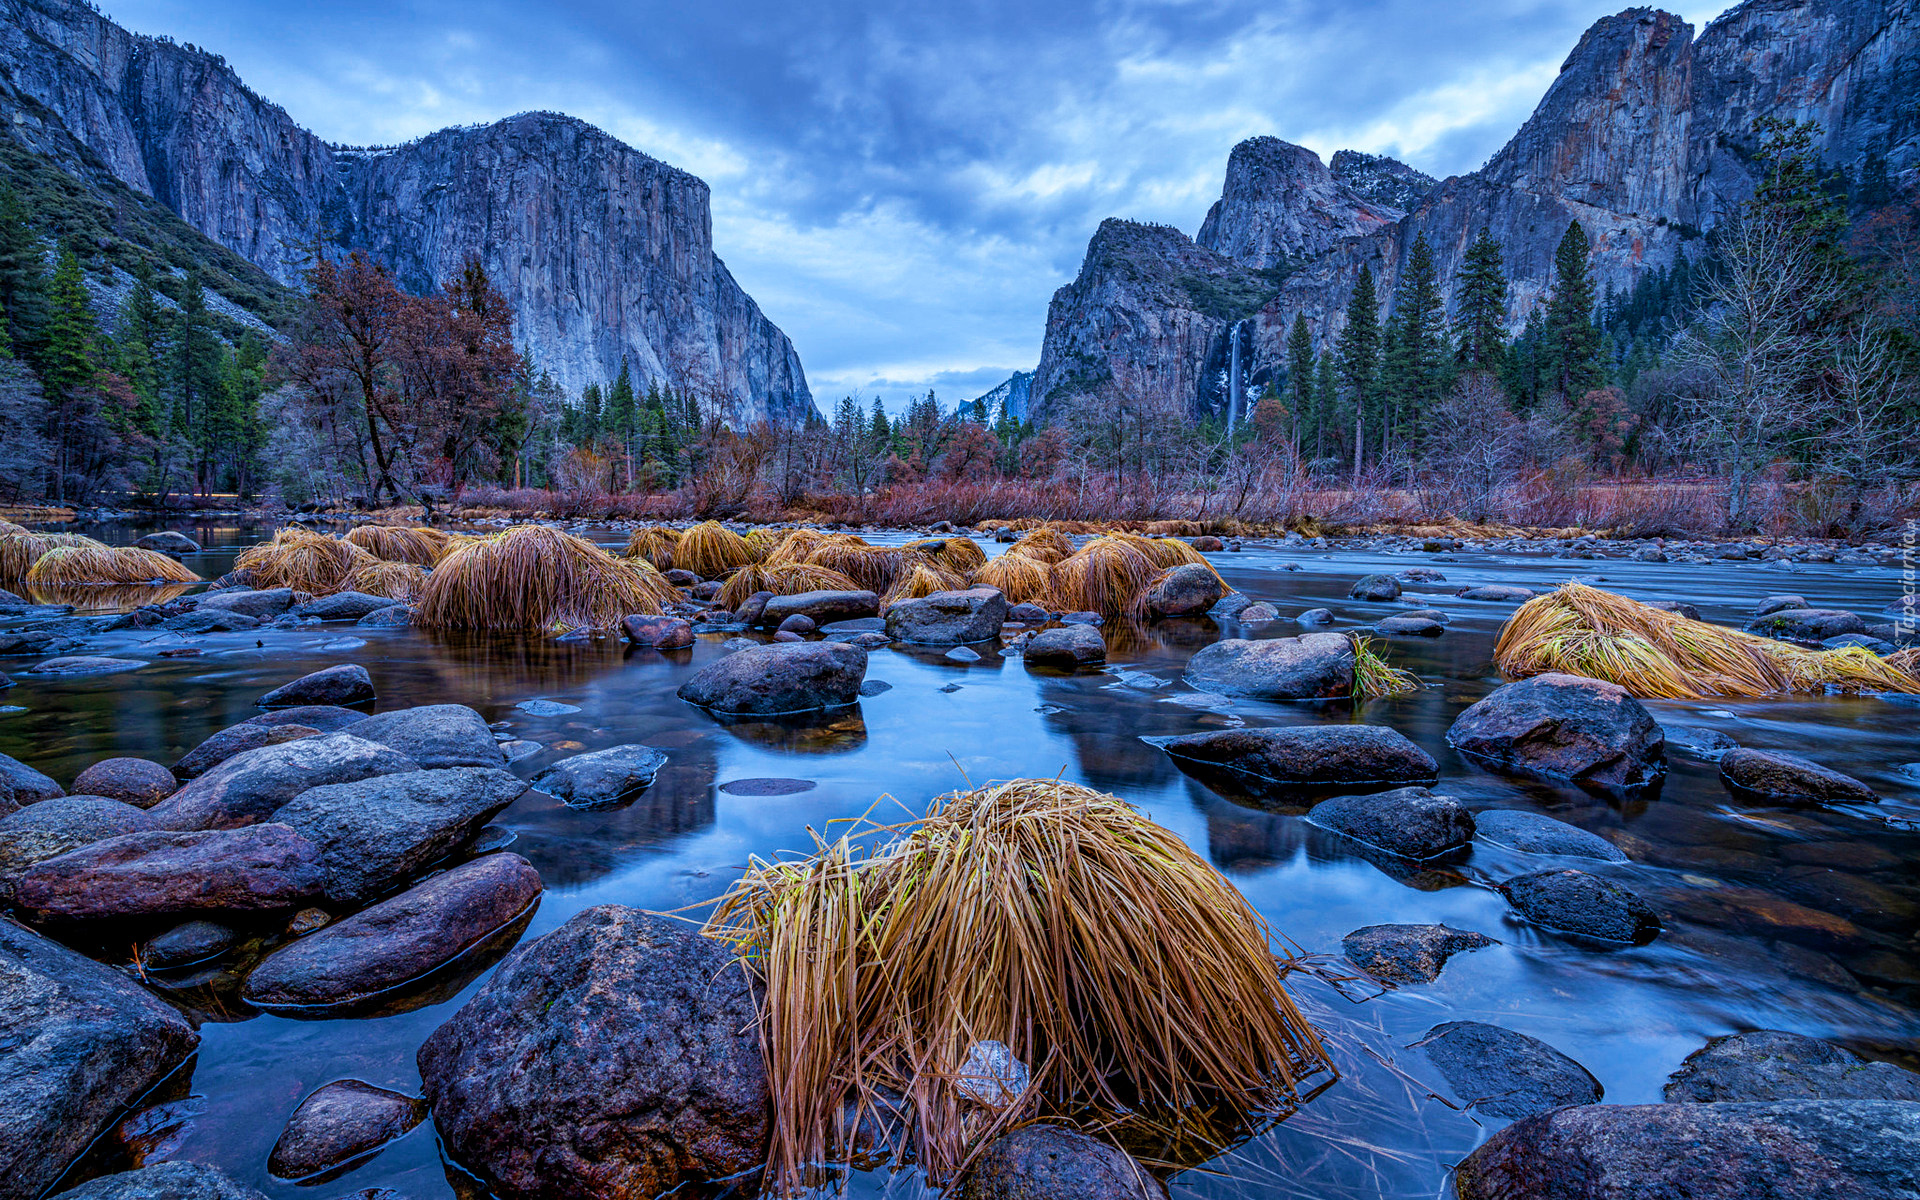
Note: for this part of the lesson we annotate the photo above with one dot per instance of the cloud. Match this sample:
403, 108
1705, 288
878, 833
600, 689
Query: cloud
902, 184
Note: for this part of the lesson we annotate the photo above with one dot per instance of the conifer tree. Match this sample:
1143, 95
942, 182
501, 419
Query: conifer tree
68, 363
198, 380
1326, 401
591, 415
23, 276
1482, 323
1573, 343
1360, 358
1300, 382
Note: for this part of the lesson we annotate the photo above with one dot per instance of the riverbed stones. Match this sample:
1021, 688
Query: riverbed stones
601, 778
85, 664
1405, 954
1187, 590
235, 739
1576, 902
1310, 666
1230, 605
949, 618
823, 607
342, 684
373, 833
1315, 616
168, 541
399, 939
766, 680
163, 873
187, 943
338, 1123
1506, 1074
1537, 834
133, 780
1411, 822
1310, 756
1503, 592
80, 820
1066, 648
200, 622
165, 1181
662, 633
1375, 587
1409, 625
343, 606
1052, 1162
252, 786
1768, 1064
393, 616
1565, 726
327, 718
1791, 1150
262, 604
1807, 624
82, 1042
614, 1057
1774, 604
434, 735
1776, 775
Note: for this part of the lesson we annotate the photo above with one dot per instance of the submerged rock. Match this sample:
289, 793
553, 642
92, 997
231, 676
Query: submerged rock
346, 683
1310, 666
602, 778
1537, 834
434, 735
253, 785
662, 633
1578, 903
1409, 625
614, 1057
1498, 591
1186, 590
161, 873
343, 606
1807, 624
339, 1122
164, 1181
85, 664
393, 616
1775, 775
765, 680
1375, 587
248, 602
1309, 756
1565, 726
187, 943
1066, 648
1767, 1064
1409, 822
1506, 1074
949, 618
1052, 1162
1404, 954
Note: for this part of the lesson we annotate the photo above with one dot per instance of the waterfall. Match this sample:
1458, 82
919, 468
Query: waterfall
1234, 387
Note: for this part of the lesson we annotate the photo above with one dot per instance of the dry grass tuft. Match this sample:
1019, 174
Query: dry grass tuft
960, 555
874, 568
655, 543
97, 564
416, 544
1019, 578
402, 581
1126, 972
761, 541
1374, 677
1161, 529
710, 550
1108, 575
920, 576
9, 529
19, 551
107, 597
1045, 544
1656, 654
1907, 660
303, 560
534, 579
793, 545
782, 579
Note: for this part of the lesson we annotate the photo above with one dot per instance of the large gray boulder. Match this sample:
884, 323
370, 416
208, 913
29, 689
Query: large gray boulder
785, 678
399, 939
1582, 904
1767, 1064
1308, 667
1776, 775
435, 735
82, 1042
252, 786
235, 739
1807, 624
1375, 587
1066, 648
601, 778
1308, 757
823, 608
1506, 1074
1792, 1150
1052, 1162
1401, 954
1565, 726
161, 873
80, 819
1409, 822
269, 602
1187, 590
343, 606
373, 833
28, 785
338, 1123
164, 1181
954, 618
168, 541
342, 684
614, 1057
135, 781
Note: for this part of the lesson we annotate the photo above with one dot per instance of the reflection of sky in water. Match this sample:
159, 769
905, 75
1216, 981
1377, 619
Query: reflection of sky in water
1786, 919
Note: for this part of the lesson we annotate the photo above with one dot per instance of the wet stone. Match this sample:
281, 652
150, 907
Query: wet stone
1066, 648
133, 780
1537, 834
1773, 774
1051, 1162
768, 787
1585, 905
165, 1181
346, 683
1506, 1074
1411, 822
235, 739
1404, 954
85, 665
1768, 1064
338, 1123
602, 778
187, 943
546, 708
327, 718
1375, 587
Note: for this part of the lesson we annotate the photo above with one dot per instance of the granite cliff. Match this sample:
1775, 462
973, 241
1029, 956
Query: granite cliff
603, 252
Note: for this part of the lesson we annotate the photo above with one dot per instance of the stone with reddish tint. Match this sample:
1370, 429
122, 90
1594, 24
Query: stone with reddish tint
662, 633
162, 873
338, 1123
28, 785
235, 739
132, 780
343, 684
1052, 1162
252, 786
1773, 775
1187, 590
1565, 726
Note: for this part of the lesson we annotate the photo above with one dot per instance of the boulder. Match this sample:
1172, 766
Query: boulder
754, 606
1408, 625
251, 786
1585, 905
764, 680
187, 943
1311, 666
1505, 593
1567, 727
823, 607
168, 541
1375, 587
949, 618
1677, 607
1767, 1064
1034, 614
1538, 834
327, 718
1506, 1074
337, 1123
85, 664
662, 633
164, 1181
434, 735
1792, 1150
393, 616
213, 620
235, 739
1187, 590
1229, 605
1052, 1162
1420, 575
1807, 624
163, 873
346, 683
373, 833
1775, 775
133, 780
247, 602
343, 606
82, 1042
798, 623
1402, 954
1067, 648
1206, 543
1774, 604
80, 819
602, 778
614, 1057
1410, 822
1309, 756
399, 939
1314, 616
1259, 613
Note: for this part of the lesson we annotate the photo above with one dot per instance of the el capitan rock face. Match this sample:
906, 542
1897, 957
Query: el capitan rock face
602, 251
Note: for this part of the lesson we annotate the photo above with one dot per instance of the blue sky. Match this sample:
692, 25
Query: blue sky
902, 184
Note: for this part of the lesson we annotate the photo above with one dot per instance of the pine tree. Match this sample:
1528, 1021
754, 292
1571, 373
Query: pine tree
198, 379
1422, 317
23, 276
67, 363
1300, 382
1326, 401
1360, 358
1573, 343
592, 415
623, 415
1482, 323
142, 335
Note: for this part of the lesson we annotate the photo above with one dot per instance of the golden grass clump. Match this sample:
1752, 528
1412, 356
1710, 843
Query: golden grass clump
1019, 578
655, 543
960, 555
534, 579
1656, 654
874, 568
1107, 575
782, 579
107, 597
97, 564
9, 529
416, 544
1907, 660
1045, 544
710, 550
1126, 972
1374, 677
1161, 529
303, 560
762, 540
792, 545
401, 581
920, 576
19, 551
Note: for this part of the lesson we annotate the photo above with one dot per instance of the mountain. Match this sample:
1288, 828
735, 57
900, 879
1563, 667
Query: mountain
1014, 392
1645, 137
602, 251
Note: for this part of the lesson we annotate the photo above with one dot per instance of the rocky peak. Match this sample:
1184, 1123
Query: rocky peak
1387, 182
1281, 205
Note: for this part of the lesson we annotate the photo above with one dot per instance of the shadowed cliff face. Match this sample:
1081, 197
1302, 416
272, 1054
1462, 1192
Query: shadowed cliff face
1645, 138
602, 251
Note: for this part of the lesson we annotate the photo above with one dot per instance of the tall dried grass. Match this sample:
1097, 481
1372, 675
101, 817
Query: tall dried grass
920, 577
1108, 575
1019, 578
655, 543
402, 581
761, 541
1045, 544
97, 564
1124, 970
1655, 654
782, 579
710, 550
9, 529
875, 568
107, 597
19, 551
303, 560
534, 579
961, 555
416, 544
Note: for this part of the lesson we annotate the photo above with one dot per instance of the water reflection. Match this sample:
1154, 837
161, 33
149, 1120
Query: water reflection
107, 597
